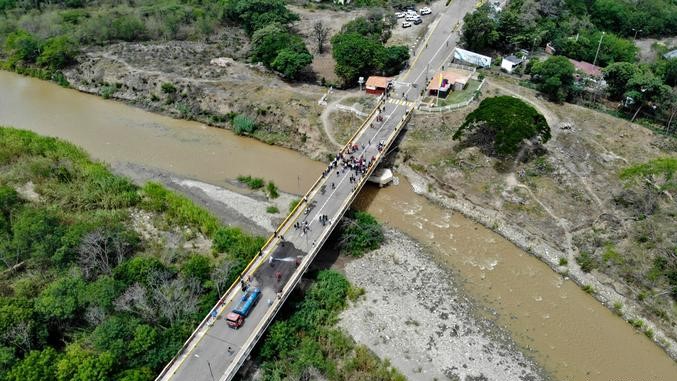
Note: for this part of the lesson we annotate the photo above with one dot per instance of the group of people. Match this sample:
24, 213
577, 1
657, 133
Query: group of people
303, 226
324, 219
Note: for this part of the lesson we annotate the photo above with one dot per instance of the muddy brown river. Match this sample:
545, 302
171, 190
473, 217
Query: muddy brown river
566, 330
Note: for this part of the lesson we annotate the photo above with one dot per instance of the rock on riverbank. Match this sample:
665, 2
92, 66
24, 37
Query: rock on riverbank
414, 314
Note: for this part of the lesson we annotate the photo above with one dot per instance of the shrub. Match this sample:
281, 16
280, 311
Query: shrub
243, 125
563, 261
361, 233
168, 88
586, 261
57, 52
251, 182
272, 209
293, 203
588, 288
272, 190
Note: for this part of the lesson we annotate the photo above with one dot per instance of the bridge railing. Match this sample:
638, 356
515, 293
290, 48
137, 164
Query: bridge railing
303, 266
266, 246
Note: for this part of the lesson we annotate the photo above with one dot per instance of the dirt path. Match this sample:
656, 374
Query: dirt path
332, 107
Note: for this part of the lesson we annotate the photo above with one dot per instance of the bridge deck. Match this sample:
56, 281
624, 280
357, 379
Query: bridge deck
206, 355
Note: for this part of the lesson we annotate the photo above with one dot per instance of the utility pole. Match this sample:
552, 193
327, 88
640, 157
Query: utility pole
598, 46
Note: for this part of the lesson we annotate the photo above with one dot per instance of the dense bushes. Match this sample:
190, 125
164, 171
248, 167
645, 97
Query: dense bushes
359, 51
306, 339
360, 233
505, 122
555, 77
274, 43
90, 301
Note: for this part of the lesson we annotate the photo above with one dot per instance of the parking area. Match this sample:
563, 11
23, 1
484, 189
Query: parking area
411, 35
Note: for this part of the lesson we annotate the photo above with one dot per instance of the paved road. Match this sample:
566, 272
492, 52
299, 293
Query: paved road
206, 357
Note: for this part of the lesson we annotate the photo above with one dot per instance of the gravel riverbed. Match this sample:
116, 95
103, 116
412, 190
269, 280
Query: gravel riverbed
415, 314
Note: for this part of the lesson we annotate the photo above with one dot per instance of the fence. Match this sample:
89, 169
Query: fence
453, 106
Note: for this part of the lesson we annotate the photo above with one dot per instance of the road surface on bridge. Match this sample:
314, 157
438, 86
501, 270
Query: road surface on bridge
215, 351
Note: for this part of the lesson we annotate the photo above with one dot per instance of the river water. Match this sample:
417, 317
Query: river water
566, 330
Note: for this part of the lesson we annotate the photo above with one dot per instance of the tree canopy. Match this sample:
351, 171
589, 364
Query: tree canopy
555, 77
507, 121
359, 51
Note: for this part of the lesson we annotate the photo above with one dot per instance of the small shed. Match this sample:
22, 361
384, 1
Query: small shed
377, 85
509, 63
448, 80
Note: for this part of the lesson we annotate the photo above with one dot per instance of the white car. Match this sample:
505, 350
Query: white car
400, 15
412, 18
425, 11
411, 12
406, 24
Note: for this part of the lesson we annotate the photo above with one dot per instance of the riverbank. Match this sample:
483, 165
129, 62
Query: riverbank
536, 203
207, 82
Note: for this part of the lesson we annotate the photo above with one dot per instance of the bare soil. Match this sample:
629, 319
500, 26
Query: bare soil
286, 114
565, 194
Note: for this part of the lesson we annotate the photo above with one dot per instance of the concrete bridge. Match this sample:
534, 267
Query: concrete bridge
214, 351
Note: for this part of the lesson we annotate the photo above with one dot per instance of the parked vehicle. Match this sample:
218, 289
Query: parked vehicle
236, 317
412, 17
412, 12
400, 15
425, 11
418, 21
406, 24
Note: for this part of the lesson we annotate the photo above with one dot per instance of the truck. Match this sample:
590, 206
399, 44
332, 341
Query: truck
236, 317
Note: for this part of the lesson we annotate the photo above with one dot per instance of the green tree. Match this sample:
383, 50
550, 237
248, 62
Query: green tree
290, 63
78, 364
392, 59
63, 299
57, 52
667, 69
270, 40
645, 89
21, 46
507, 122
479, 29
617, 76
36, 234
256, 14
555, 77
355, 55
36, 366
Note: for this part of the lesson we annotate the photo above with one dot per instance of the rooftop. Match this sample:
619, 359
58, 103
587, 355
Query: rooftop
377, 82
587, 68
451, 75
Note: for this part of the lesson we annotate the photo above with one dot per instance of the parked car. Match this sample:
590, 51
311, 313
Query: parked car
412, 18
406, 24
400, 15
425, 11
411, 12
418, 21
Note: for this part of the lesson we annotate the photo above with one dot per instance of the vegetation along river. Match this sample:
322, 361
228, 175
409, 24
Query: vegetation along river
567, 331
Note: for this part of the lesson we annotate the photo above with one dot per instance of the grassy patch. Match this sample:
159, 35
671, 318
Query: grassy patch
272, 209
589, 289
455, 97
252, 182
